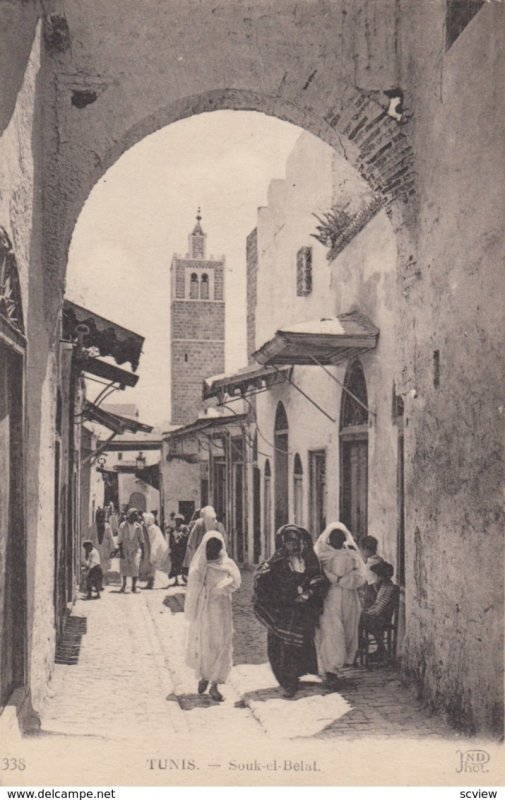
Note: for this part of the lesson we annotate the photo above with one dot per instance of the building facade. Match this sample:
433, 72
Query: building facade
436, 66
197, 324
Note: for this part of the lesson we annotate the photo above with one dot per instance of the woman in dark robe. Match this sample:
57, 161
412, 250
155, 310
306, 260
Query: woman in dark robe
289, 593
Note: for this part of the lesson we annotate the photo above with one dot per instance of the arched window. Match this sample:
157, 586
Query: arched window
204, 287
304, 271
193, 287
298, 490
267, 509
354, 451
281, 467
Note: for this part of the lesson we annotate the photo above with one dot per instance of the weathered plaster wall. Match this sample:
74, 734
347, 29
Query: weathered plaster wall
129, 484
181, 481
20, 213
455, 442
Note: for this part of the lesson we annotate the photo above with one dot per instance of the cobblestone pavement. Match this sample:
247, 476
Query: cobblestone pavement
110, 679
121, 671
370, 703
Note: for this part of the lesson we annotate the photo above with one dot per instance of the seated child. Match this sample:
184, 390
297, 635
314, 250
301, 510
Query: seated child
94, 574
375, 618
368, 547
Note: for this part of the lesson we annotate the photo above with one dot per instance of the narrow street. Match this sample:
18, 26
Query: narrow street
120, 674
122, 700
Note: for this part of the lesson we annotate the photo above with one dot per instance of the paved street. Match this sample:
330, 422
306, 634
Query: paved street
123, 703
121, 671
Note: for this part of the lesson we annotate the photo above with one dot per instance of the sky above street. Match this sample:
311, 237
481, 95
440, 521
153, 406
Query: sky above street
141, 213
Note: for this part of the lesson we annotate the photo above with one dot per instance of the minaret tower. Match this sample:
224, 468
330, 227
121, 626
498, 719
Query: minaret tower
197, 324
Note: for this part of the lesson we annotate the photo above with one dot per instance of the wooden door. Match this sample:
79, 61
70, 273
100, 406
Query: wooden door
12, 531
256, 515
354, 482
317, 464
281, 480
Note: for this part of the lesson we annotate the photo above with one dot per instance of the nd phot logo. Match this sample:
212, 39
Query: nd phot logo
473, 761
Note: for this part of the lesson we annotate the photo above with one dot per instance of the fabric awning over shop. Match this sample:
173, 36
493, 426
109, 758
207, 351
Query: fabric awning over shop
114, 422
246, 379
109, 338
325, 341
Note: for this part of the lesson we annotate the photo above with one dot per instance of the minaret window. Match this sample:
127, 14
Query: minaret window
204, 287
193, 287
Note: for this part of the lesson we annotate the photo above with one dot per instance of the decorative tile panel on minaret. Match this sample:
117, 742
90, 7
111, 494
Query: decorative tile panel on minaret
197, 325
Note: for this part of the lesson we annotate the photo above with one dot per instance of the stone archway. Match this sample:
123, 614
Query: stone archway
355, 123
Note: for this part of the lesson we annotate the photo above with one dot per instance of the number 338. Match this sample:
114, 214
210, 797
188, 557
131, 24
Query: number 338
12, 764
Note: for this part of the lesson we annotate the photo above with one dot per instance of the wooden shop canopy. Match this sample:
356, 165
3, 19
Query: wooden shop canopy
114, 422
96, 332
326, 341
250, 379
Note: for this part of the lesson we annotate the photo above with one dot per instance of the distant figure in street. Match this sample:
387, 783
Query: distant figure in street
93, 569
131, 548
113, 520
337, 634
145, 561
368, 547
213, 577
207, 522
288, 594
178, 540
159, 553
100, 534
375, 618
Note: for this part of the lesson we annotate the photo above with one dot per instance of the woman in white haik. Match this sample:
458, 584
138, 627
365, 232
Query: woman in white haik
337, 634
213, 577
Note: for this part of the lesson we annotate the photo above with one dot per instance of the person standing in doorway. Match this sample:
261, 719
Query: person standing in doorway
131, 548
100, 534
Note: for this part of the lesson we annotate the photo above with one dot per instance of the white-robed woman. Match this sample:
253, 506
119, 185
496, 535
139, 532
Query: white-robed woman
213, 577
159, 551
337, 635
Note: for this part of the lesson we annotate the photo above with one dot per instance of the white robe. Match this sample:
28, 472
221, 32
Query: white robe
209, 649
337, 634
105, 547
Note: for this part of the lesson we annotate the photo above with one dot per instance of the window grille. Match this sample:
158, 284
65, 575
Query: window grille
304, 271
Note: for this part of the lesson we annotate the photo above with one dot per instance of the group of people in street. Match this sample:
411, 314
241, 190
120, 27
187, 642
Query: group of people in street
315, 600
143, 549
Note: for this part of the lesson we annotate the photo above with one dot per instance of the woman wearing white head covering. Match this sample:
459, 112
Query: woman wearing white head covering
337, 635
159, 554
213, 577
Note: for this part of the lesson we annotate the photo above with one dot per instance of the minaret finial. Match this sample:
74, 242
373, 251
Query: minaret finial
199, 214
